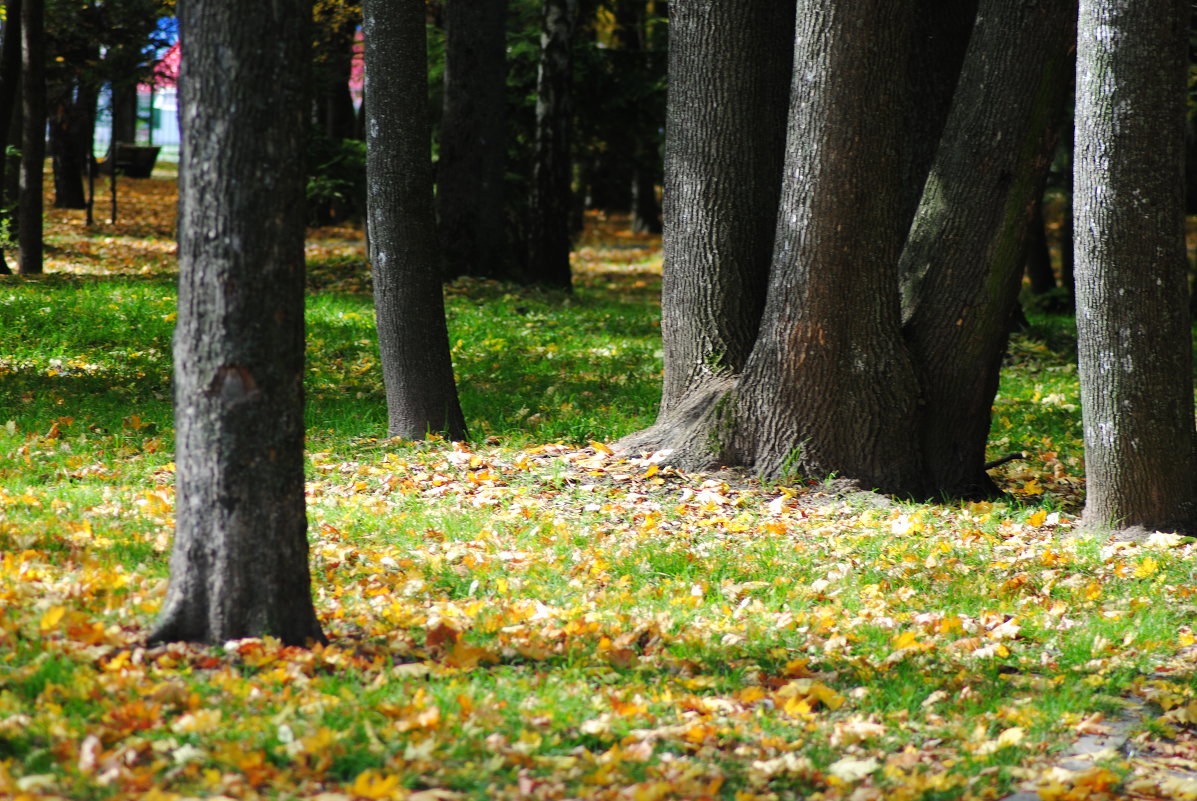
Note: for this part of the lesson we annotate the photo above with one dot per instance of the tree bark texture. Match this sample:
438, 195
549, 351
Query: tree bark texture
1132, 317
408, 299
552, 168
10, 80
240, 562
963, 261
829, 387
473, 142
33, 135
729, 63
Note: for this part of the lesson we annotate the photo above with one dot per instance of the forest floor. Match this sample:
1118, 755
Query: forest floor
530, 616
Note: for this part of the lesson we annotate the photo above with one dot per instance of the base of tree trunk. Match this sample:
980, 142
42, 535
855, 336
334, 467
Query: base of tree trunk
688, 438
684, 432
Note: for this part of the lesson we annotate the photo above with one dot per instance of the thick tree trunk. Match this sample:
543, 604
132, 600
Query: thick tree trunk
10, 79
964, 257
408, 299
33, 135
473, 143
552, 195
1133, 330
729, 63
828, 387
240, 562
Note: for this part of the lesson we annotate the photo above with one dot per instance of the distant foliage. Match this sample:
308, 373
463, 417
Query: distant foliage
336, 185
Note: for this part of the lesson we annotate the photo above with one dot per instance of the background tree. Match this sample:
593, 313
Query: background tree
33, 135
1134, 339
551, 196
10, 81
473, 146
90, 44
239, 567
412, 336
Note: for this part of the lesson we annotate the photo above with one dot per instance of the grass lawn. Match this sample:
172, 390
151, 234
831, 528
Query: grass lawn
527, 615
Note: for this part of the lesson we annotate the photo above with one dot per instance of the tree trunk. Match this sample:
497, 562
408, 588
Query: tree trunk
335, 101
1039, 259
72, 125
828, 386
647, 117
551, 192
124, 113
964, 257
473, 142
1133, 330
10, 78
33, 135
240, 562
729, 63
408, 299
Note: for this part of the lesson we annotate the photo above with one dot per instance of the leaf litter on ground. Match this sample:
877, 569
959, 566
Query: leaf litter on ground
524, 620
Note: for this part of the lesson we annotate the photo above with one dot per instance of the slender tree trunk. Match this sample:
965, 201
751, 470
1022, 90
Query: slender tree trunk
240, 562
646, 118
1134, 340
966, 250
10, 79
1039, 259
552, 195
33, 136
408, 299
72, 125
473, 142
124, 113
729, 62
335, 100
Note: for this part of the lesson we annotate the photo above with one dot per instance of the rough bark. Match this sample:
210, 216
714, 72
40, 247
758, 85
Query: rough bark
551, 190
964, 258
240, 562
473, 144
33, 135
10, 79
828, 386
1133, 330
408, 299
729, 62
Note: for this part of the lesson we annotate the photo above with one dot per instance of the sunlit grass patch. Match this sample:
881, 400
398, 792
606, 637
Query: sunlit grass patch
529, 616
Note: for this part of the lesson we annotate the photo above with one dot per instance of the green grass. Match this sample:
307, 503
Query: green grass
512, 620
